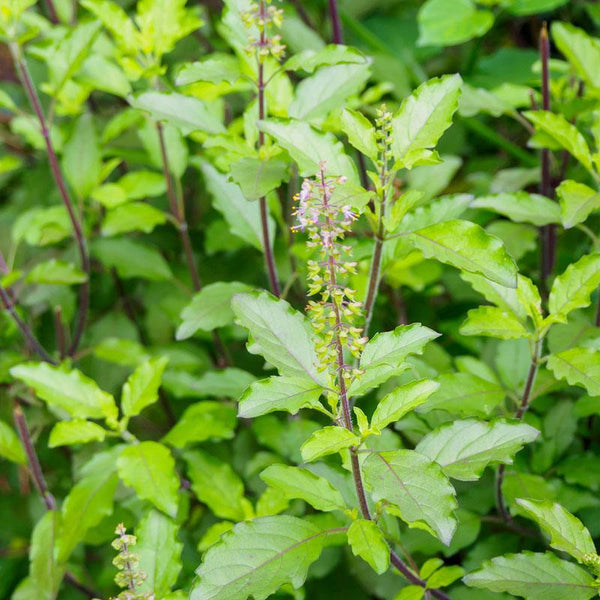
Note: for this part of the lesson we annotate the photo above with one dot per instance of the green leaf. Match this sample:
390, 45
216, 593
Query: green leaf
360, 132
443, 24
138, 185
184, 112
81, 156
134, 216
332, 54
217, 485
492, 321
566, 532
465, 394
149, 469
10, 445
534, 576
159, 552
577, 202
56, 272
572, 288
309, 147
279, 393
417, 487
76, 431
294, 482
132, 259
45, 573
580, 49
579, 366
210, 308
327, 90
521, 207
465, 448
328, 440
257, 177
423, 118
215, 68
141, 388
243, 217
367, 541
522, 8
445, 576
280, 334
229, 383
563, 133
67, 389
467, 246
203, 421
384, 355
115, 19
401, 401
277, 550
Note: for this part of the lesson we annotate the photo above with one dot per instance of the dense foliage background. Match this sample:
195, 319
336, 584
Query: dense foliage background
151, 152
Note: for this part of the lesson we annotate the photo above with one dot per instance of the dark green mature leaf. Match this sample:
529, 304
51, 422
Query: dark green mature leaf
149, 469
417, 487
229, 383
332, 54
577, 202
367, 541
10, 445
210, 308
580, 49
280, 334
45, 572
56, 272
81, 156
257, 177
468, 247
530, 7
141, 388
521, 207
465, 448
278, 550
567, 533
579, 366
159, 552
534, 576
422, 119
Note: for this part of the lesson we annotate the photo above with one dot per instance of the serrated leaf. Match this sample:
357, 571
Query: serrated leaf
534, 576
580, 49
417, 487
328, 440
567, 533
76, 431
216, 68
360, 132
10, 445
277, 550
468, 247
579, 366
367, 541
229, 383
521, 207
257, 177
577, 202
279, 393
149, 469
280, 334
423, 118
332, 54
295, 482
465, 448
492, 321
141, 388
401, 401
210, 308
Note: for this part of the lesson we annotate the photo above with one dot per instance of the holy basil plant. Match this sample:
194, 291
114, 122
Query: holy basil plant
299, 299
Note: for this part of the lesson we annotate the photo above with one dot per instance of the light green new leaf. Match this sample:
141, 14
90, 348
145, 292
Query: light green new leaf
278, 550
45, 572
534, 576
567, 533
492, 321
580, 49
67, 389
257, 177
215, 68
133, 216
572, 288
282, 335
423, 118
521, 207
184, 112
465, 448
217, 485
577, 202
141, 388
210, 308
579, 366
360, 132
115, 19
56, 272
149, 469
76, 431
445, 24
309, 147
522, 8
279, 393
10, 445
332, 54
328, 440
367, 541
295, 482
417, 487
138, 185
401, 401
565, 134
384, 355
159, 552
202, 421
468, 247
